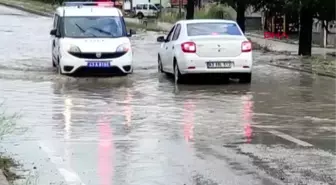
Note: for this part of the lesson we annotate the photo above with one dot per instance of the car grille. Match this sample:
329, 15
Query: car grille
94, 56
89, 71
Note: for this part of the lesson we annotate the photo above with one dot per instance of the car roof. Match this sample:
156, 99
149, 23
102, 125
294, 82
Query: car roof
205, 21
87, 11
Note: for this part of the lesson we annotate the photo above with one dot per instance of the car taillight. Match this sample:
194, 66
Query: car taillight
188, 47
246, 46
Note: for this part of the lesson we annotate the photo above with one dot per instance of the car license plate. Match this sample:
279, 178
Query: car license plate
212, 65
98, 64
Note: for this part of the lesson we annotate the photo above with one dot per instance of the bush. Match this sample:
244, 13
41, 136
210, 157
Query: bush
171, 15
212, 11
215, 11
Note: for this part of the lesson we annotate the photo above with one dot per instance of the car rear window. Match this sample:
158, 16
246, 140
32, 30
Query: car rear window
216, 28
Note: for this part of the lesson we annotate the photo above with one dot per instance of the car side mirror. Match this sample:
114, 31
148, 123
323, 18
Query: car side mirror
131, 32
161, 39
53, 32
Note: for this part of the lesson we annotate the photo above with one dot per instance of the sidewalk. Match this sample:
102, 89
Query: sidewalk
282, 46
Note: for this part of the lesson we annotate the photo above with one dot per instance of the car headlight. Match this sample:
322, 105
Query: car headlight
74, 49
123, 48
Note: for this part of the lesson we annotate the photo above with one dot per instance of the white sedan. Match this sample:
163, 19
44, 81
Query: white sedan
206, 46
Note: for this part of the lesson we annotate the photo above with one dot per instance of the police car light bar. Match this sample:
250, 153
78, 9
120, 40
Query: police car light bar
79, 3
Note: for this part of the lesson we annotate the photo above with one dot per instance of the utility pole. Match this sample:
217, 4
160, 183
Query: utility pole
325, 34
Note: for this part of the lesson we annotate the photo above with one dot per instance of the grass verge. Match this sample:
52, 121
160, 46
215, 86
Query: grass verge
31, 5
317, 65
6, 165
320, 64
7, 124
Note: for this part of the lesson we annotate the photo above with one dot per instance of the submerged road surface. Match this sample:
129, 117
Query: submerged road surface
142, 130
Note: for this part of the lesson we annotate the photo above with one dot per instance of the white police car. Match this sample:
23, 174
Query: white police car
91, 37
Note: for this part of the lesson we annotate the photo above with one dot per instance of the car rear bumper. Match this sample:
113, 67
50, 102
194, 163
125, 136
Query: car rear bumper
205, 70
192, 64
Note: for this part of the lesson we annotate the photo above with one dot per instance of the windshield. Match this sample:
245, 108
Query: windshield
215, 28
88, 27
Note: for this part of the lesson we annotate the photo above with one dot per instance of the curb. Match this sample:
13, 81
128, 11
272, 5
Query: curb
261, 37
302, 70
22, 8
284, 41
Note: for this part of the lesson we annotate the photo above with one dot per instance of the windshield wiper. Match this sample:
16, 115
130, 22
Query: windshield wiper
83, 31
101, 31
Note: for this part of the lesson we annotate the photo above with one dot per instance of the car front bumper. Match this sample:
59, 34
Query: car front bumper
70, 64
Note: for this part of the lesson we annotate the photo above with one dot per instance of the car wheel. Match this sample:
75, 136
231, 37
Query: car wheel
160, 69
178, 77
245, 78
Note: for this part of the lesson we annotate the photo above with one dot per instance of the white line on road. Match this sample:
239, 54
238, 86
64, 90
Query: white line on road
69, 175
290, 138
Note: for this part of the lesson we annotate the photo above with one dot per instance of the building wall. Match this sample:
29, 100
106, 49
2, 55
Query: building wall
317, 29
253, 23
253, 20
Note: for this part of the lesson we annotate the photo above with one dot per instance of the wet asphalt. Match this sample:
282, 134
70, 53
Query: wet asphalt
144, 130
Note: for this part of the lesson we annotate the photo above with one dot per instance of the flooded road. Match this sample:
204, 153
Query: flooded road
144, 130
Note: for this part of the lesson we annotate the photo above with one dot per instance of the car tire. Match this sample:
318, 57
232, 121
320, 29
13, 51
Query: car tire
58, 68
53, 63
160, 69
245, 78
178, 77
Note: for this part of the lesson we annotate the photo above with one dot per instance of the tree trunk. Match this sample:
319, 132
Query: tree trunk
199, 4
241, 7
306, 27
190, 9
